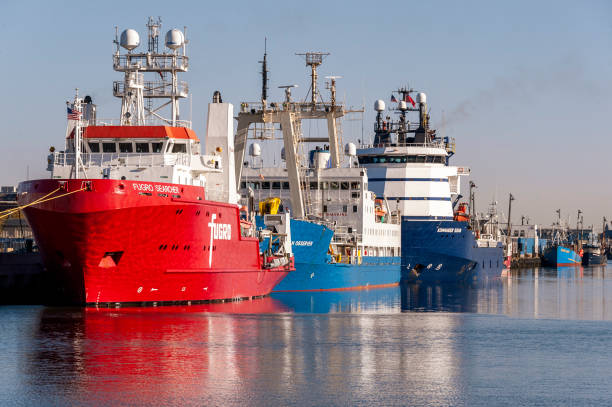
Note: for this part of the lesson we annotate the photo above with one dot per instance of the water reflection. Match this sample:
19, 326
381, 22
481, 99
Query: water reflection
153, 355
412, 345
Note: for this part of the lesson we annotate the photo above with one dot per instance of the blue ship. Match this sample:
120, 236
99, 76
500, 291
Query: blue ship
316, 269
559, 252
344, 236
408, 164
558, 255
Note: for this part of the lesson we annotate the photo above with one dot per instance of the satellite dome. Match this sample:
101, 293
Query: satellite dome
379, 105
402, 105
129, 39
421, 98
174, 39
350, 149
255, 150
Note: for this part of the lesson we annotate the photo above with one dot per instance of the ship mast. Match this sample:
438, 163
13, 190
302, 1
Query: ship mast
289, 115
134, 90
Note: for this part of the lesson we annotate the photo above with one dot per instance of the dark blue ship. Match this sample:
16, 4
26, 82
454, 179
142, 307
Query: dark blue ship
408, 164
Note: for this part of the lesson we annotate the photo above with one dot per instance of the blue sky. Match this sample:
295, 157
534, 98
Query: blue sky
524, 85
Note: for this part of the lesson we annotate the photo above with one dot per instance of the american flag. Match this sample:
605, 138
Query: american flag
73, 114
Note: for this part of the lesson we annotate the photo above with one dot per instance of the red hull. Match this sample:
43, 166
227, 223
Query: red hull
128, 241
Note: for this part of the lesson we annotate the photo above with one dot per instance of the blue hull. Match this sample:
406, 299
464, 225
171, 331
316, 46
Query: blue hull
315, 269
446, 251
560, 256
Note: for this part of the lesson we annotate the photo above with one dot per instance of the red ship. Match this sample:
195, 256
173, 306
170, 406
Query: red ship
133, 213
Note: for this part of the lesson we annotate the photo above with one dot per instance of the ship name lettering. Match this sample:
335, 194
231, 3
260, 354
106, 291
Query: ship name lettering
142, 187
449, 230
302, 243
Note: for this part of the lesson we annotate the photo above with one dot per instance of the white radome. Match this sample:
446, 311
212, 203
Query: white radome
129, 39
174, 39
350, 149
402, 105
421, 98
379, 105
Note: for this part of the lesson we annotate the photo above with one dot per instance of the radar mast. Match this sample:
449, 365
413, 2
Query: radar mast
134, 89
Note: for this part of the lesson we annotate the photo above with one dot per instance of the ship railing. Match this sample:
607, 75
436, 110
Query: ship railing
433, 144
149, 121
301, 107
154, 89
122, 159
151, 62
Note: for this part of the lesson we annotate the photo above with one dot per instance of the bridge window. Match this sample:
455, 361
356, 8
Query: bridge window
265, 185
314, 185
109, 148
354, 208
420, 159
156, 147
344, 185
125, 147
142, 147
276, 185
324, 185
355, 195
254, 185
179, 148
285, 185
334, 185
243, 185
356, 185
94, 147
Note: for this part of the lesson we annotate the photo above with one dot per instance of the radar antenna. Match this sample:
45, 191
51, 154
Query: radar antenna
313, 59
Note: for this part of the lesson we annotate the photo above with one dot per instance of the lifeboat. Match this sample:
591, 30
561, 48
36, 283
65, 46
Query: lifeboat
461, 214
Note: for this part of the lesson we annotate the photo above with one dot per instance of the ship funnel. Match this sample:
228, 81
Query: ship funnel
129, 39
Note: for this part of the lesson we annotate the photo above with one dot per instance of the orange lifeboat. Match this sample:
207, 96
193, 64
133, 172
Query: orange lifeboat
461, 214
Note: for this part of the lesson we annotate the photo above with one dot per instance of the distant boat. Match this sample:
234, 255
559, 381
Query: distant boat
593, 256
557, 255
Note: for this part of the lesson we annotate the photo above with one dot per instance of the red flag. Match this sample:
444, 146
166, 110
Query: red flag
409, 99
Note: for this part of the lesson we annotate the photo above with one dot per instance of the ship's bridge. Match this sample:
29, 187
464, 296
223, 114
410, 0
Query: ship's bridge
162, 153
431, 153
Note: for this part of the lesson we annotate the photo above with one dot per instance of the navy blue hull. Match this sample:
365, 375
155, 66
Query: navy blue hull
317, 270
446, 251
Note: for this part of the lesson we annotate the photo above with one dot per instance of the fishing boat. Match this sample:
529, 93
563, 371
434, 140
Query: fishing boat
408, 164
344, 236
560, 251
132, 211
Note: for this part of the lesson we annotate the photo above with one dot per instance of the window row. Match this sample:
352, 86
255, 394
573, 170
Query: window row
333, 185
401, 159
129, 147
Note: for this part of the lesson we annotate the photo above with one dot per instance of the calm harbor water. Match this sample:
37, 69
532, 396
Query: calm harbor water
536, 337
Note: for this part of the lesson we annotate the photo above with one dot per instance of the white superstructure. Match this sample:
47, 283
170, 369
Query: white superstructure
144, 144
408, 164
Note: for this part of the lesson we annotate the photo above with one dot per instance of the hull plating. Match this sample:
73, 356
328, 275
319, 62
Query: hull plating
446, 251
116, 243
316, 271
